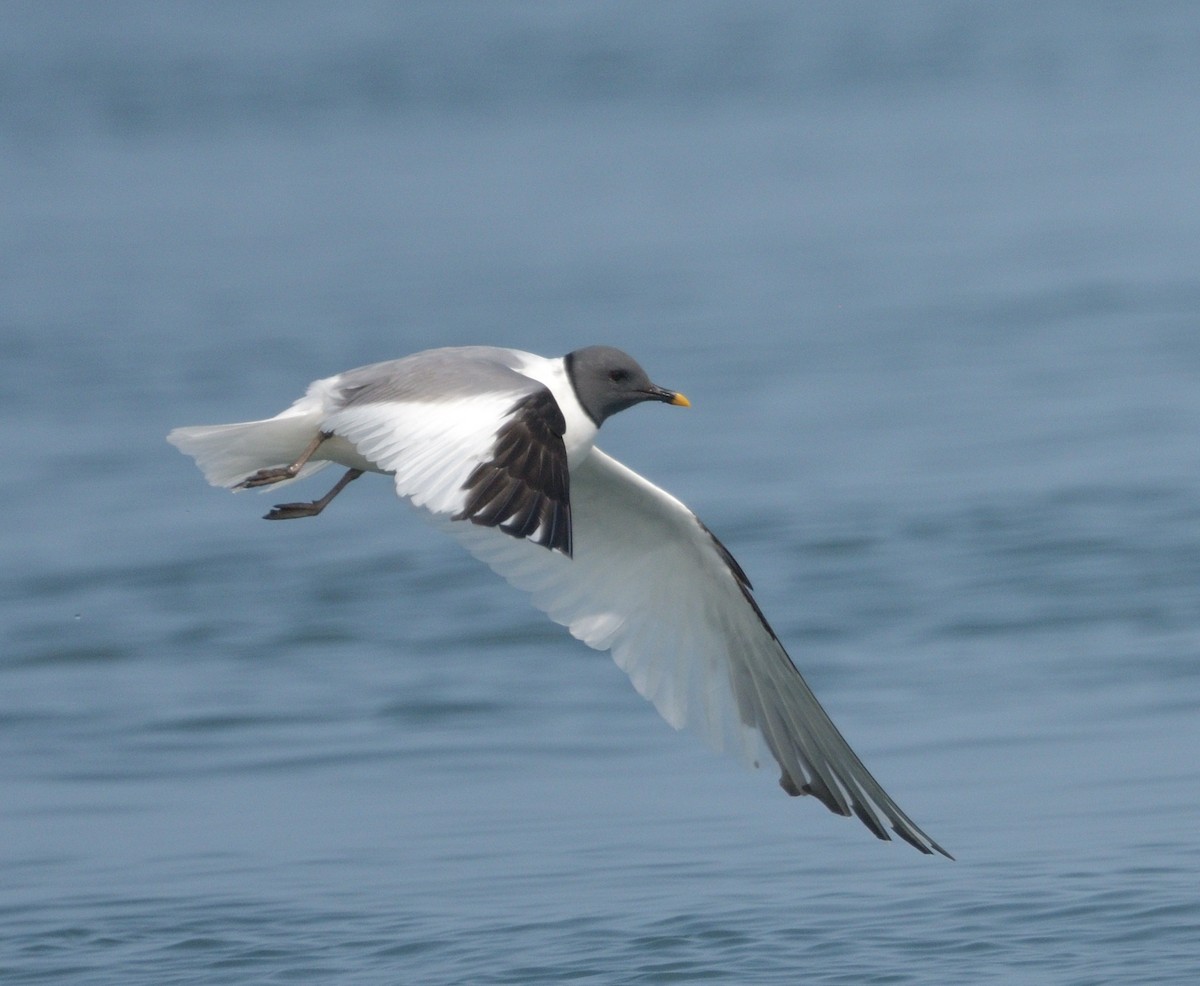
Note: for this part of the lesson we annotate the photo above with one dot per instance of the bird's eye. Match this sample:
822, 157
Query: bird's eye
618, 376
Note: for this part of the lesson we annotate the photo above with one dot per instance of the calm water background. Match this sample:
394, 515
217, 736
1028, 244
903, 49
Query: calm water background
928, 272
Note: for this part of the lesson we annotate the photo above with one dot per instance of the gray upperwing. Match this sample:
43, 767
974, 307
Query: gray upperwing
434, 376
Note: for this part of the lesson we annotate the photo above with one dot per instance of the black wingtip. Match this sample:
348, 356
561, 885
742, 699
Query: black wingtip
523, 490
928, 848
871, 822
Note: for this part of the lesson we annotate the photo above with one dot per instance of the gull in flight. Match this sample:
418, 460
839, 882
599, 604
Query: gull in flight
497, 447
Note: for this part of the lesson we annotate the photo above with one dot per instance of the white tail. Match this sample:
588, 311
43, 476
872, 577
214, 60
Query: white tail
227, 454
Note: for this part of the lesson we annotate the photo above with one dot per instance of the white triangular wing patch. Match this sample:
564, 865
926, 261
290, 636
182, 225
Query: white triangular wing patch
651, 584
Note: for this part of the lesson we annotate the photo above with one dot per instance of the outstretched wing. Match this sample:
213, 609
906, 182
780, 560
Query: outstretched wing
649, 582
491, 453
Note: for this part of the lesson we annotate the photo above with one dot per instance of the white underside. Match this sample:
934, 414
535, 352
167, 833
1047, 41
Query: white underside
646, 580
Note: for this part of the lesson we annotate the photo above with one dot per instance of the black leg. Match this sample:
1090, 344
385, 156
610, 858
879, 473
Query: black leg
290, 511
265, 477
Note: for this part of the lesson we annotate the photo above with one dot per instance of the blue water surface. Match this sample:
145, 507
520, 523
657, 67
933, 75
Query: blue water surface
928, 273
